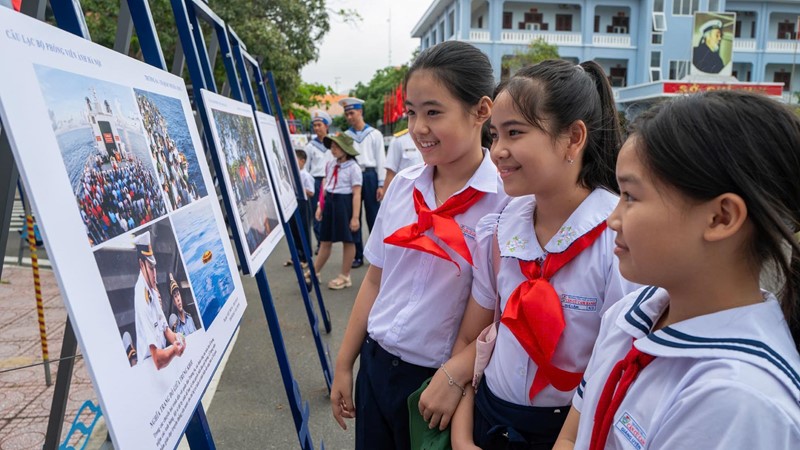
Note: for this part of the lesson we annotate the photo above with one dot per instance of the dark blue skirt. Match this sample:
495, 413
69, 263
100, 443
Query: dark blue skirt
335, 226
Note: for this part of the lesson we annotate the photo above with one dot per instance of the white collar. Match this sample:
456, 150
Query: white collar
517, 237
755, 334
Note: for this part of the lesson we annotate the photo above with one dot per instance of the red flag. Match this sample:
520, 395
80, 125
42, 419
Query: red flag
292, 127
16, 4
399, 108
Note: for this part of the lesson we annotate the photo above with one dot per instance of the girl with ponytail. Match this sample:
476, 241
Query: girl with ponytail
546, 258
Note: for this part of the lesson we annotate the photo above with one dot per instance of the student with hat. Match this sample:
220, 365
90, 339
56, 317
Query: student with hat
185, 323
339, 210
317, 155
154, 338
705, 56
371, 159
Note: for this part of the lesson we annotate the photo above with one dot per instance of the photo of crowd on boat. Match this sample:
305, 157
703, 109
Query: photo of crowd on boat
170, 148
247, 175
99, 134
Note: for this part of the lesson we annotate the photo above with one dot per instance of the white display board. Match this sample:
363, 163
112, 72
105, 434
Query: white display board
111, 159
278, 163
246, 176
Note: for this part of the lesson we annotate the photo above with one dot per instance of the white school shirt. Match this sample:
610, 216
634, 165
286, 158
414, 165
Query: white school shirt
369, 143
422, 297
317, 157
402, 153
727, 380
308, 181
150, 320
349, 175
587, 286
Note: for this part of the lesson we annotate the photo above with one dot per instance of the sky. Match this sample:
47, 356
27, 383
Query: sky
352, 53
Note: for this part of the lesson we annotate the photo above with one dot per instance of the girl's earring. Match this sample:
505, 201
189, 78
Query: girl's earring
570, 161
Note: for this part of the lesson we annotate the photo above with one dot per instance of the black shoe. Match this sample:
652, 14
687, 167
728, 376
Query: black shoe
357, 263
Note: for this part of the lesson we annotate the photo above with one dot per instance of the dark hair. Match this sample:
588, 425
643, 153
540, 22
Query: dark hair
463, 69
558, 93
726, 141
301, 154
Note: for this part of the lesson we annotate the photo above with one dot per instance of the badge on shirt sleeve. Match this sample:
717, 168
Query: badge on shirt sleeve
631, 431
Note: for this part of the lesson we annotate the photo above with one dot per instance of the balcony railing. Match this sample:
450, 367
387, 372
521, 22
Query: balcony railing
744, 45
555, 38
783, 46
611, 40
479, 35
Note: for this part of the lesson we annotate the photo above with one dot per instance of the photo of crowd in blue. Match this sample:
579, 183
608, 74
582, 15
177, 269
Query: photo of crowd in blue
171, 148
150, 294
99, 134
204, 255
247, 175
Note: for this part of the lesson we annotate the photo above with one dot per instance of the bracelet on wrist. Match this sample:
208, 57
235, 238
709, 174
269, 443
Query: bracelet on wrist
452, 382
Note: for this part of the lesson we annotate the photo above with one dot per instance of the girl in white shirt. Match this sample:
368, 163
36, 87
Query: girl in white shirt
556, 137
340, 208
411, 302
706, 360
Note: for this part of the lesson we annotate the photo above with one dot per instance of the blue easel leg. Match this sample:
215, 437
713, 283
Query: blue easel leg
314, 280
312, 316
197, 433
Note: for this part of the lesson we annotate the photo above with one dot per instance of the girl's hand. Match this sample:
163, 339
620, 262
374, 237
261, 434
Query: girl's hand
355, 224
318, 215
439, 400
342, 397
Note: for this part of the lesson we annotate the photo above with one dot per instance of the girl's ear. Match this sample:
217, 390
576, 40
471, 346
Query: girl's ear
728, 213
577, 134
484, 109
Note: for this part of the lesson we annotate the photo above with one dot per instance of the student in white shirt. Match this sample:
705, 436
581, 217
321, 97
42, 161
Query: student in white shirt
402, 153
372, 159
318, 156
411, 302
547, 258
339, 210
707, 360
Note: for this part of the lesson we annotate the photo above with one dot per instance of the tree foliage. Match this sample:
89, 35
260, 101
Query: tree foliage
537, 51
383, 82
282, 34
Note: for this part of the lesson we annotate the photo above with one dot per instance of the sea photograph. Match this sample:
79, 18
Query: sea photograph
204, 254
105, 153
171, 148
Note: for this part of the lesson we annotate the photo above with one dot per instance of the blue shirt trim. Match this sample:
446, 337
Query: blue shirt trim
645, 327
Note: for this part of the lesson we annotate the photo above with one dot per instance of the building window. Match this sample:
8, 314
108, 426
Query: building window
534, 20
753, 30
433, 38
508, 20
656, 38
451, 22
619, 24
563, 22
713, 5
655, 75
480, 21
659, 22
785, 78
738, 31
658, 6
655, 59
618, 76
786, 30
596, 24
684, 7
678, 69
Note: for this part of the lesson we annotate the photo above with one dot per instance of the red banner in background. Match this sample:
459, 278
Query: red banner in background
16, 4
680, 87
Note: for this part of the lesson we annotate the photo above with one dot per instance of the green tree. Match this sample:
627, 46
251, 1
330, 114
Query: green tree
282, 34
537, 51
384, 82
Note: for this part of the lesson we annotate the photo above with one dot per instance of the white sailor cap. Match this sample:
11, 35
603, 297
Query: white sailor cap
321, 116
351, 103
710, 25
143, 248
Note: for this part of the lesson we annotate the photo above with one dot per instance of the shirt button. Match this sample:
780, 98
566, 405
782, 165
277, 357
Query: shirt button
395, 329
395, 362
521, 372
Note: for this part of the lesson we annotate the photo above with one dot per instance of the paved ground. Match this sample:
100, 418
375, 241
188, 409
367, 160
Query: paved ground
249, 409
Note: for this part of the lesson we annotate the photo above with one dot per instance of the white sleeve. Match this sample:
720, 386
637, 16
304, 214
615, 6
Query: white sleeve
310, 157
380, 157
394, 154
375, 248
357, 179
724, 414
484, 281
